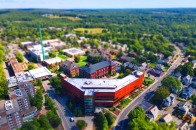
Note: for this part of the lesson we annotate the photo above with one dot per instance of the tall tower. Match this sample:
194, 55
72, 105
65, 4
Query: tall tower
40, 32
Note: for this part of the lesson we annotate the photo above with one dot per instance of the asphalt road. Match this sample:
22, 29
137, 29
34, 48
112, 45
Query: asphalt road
122, 119
63, 111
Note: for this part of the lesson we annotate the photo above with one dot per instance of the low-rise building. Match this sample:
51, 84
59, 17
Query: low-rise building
52, 62
169, 101
70, 68
54, 43
36, 52
186, 80
125, 59
98, 70
16, 67
72, 52
153, 113
166, 118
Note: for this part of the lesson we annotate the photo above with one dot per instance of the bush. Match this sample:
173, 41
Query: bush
81, 124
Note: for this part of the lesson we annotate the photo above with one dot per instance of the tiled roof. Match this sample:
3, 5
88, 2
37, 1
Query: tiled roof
91, 69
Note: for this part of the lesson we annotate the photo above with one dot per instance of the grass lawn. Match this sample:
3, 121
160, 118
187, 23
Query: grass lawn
62, 57
83, 58
153, 65
82, 63
90, 30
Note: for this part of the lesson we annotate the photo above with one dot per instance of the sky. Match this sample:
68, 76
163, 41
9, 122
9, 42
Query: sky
92, 4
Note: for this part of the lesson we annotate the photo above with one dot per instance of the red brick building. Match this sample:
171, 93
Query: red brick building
98, 70
70, 68
101, 92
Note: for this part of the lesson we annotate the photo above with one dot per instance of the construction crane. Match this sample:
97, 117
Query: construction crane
40, 33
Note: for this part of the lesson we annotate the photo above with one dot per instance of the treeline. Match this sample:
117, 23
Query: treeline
3, 81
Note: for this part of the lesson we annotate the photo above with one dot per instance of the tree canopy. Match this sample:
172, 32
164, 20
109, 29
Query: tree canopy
172, 83
160, 94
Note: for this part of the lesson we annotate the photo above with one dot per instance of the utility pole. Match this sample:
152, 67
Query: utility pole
43, 53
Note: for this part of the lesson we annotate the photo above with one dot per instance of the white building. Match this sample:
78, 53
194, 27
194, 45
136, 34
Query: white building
36, 52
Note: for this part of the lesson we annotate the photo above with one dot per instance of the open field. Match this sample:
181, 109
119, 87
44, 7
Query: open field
90, 30
73, 18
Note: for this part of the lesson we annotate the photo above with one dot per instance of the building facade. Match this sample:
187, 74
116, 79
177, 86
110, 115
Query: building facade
70, 68
101, 92
98, 70
15, 111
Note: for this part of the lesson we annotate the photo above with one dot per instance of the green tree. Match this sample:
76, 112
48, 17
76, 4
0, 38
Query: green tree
56, 83
81, 124
101, 122
52, 54
160, 94
172, 83
77, 59
44, 123
193, 98
19, 57
110, 118
54, 120
29, 126
31, 66
187, 69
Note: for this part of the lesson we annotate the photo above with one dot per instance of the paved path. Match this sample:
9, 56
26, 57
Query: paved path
122, 120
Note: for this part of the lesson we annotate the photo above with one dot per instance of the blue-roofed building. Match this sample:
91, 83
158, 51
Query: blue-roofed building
98, 70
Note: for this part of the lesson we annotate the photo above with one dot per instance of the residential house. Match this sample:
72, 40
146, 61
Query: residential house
131, 66
184, 126
99, 53
98, 70
194, 64
87, 46
187, 93
70, 68
146, 105
132, 54
153, 113
186, 80
125, 59
177, 75
157, 70
169, 101
184, 107
114, 52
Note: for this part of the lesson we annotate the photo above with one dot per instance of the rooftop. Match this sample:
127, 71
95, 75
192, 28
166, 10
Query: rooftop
97, 66
68, 65
73, 51
37, 49
23, 77
40, 72
15, 65
52, 60
101, 85
53, 43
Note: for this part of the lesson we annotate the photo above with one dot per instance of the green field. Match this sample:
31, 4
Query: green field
90, 30
62, 57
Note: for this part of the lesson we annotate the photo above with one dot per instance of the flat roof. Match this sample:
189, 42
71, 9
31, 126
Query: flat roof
37, 49
53, 60
101, 85
73, 51
40, 72
54, 42
15, 65
28, 76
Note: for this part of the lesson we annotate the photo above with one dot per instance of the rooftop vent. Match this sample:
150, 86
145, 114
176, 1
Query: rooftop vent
8, 105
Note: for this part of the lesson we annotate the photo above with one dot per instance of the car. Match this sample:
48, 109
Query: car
71, 119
